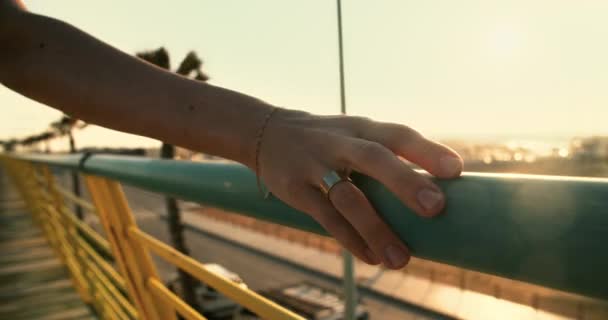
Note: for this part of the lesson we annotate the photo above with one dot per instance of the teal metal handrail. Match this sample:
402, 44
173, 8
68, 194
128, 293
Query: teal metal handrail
551, 231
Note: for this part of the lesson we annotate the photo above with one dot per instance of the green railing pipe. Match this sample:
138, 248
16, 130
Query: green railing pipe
551, 231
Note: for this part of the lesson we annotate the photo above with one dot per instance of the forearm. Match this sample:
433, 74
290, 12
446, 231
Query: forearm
63, 67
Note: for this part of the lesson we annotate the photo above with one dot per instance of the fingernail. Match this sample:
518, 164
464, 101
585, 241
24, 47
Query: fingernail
371, 257
429, 199
396, 256
450, 166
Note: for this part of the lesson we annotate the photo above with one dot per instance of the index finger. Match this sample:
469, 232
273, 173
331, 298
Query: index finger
437, 159
373, 159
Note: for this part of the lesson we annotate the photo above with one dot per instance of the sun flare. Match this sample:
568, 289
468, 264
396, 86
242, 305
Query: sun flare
505, 40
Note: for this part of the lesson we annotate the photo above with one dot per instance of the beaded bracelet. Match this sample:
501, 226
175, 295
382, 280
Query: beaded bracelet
259, 138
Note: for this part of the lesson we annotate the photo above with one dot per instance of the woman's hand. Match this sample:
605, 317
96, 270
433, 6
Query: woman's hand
299, 149
49, 61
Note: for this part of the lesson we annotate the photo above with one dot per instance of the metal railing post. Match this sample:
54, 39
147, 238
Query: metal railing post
133, 259
71, 249
66, 235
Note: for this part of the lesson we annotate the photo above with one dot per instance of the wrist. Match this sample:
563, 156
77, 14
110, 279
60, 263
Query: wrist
226, 124
249, 137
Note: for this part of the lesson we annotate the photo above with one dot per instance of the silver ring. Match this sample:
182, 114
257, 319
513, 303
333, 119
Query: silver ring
332, 178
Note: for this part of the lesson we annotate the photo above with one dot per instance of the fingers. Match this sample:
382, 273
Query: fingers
414, 190
355, 207
312, 201
437, 159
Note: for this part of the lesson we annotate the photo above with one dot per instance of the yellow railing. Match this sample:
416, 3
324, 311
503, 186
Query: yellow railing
115, 273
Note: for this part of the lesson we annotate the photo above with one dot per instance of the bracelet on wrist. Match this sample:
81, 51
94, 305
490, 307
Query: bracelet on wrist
258, 147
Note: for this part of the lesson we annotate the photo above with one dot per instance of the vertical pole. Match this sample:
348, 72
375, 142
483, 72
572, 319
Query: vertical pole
341, 59
350, 288
176, 233
75, 177
76, 191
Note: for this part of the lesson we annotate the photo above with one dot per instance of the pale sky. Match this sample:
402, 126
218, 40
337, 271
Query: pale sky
447, 68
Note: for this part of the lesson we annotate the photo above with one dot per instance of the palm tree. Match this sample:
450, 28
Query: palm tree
62, 127
190, 66
9, 145
65, 127
45, 136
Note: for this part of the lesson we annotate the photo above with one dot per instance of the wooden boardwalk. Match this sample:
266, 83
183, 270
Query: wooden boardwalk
33, 282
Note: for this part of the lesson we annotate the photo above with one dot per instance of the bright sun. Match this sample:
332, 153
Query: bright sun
505, 40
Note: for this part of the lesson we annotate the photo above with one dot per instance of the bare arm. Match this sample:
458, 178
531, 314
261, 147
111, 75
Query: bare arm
54, 63
63, 67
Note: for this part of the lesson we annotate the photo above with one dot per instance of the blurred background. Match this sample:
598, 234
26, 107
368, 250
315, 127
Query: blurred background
499, 81
514, 86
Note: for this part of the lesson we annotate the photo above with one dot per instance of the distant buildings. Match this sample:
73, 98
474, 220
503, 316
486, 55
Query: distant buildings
490, 153
593, 148
589, 148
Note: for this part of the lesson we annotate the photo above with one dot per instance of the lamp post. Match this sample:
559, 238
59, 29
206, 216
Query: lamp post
350, 286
